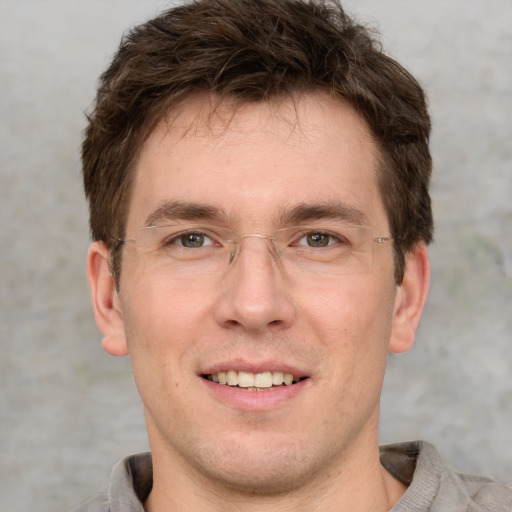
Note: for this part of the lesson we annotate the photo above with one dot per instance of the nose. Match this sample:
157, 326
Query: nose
254, 294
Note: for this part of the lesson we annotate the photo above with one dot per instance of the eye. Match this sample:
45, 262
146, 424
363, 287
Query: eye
190, 240
319, 239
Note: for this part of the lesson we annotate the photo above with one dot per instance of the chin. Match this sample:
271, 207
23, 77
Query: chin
272, 471
263, 482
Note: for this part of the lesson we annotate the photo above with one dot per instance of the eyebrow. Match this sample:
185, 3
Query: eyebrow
303, 212
179, 210
306, 212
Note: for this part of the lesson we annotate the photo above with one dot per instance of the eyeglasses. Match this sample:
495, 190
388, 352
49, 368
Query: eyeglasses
201, 251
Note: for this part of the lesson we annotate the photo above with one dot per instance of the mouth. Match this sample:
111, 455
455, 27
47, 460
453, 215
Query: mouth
262, 381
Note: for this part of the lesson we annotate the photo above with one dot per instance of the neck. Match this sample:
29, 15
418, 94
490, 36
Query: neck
357, 484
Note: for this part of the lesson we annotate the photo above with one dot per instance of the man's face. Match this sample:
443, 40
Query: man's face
255, 169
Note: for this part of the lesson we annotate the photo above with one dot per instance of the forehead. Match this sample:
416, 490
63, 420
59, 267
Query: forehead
258, 158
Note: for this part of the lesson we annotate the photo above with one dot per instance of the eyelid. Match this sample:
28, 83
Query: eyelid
335, 237
222, 234
176, 231
187, 228
176, 239
336, 232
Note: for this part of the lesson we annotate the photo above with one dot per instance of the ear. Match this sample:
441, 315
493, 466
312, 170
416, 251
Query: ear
410, 299
105, 300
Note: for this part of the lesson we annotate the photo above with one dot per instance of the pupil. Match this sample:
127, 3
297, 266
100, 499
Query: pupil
192, 240
318, 240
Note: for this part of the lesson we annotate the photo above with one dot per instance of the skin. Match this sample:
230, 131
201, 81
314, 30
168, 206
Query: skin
313, 446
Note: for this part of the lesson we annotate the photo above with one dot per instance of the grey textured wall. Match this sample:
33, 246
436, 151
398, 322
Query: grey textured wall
68, 411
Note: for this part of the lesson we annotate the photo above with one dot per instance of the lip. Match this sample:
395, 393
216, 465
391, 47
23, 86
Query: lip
255, 401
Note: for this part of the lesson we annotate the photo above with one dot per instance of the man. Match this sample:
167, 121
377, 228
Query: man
257, 174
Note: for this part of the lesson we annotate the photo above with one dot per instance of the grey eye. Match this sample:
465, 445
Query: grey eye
193, 240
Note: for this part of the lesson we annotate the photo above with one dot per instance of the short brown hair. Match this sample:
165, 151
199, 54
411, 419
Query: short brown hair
256, 50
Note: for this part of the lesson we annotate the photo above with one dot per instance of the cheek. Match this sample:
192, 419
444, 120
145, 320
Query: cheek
162, 317
352, 321
153, 297
162, 326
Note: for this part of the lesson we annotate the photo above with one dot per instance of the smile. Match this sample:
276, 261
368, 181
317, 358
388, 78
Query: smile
252, 381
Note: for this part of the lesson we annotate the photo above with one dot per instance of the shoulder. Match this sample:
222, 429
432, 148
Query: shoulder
130, 485
477, 493
100, 503
436, 487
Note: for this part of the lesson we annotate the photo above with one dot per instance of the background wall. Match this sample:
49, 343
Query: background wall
68, 411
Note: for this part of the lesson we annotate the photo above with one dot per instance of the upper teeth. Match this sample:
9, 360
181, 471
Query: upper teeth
252, 380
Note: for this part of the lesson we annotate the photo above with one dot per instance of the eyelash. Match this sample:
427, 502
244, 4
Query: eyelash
334, 237
177, 239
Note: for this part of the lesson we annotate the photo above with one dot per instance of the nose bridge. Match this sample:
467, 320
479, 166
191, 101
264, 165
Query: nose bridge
261, 241
254, 294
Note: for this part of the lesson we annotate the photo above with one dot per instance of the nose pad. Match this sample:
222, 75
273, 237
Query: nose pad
270, 242
254, 296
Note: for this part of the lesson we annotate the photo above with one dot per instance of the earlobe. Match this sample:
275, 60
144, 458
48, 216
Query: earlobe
105, 300
410, 299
